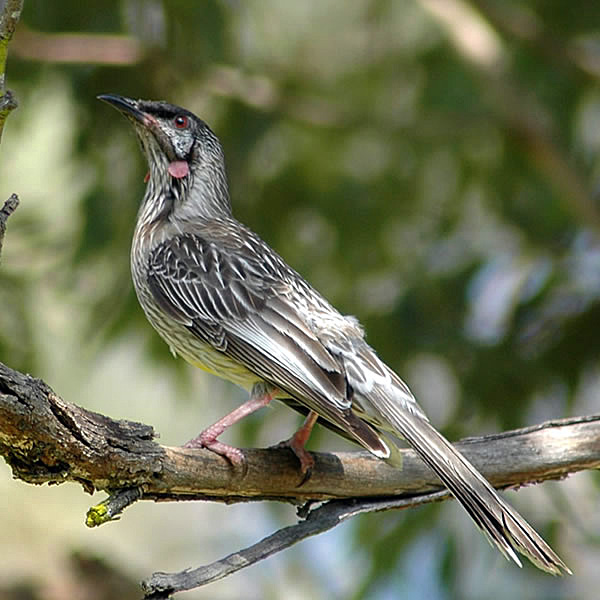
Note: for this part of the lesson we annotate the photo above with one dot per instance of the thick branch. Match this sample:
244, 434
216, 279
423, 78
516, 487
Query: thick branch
45, 439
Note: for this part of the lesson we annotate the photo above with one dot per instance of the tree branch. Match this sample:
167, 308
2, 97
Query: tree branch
11, 13
9, 17
8, 209
48, 440
319, 520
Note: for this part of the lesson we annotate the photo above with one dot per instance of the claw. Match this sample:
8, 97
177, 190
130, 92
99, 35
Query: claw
234, 455
260, 397
296, 445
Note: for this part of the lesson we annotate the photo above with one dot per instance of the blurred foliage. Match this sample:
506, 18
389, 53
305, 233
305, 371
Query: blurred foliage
83, 577
431, 167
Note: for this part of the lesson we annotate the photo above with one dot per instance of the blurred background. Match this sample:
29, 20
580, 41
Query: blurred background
431, 166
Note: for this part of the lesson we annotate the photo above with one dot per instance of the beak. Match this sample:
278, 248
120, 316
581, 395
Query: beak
145, 122
128, 107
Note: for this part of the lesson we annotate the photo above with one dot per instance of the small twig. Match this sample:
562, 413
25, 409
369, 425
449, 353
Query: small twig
162, 585
9, 18
110, 508
8, 103
8, 209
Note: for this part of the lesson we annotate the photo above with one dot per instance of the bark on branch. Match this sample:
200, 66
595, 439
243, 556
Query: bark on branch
9, 18
7, 209
48, 440
45, 439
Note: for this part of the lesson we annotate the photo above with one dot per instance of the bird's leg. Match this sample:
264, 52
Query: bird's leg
260, 396
297, 442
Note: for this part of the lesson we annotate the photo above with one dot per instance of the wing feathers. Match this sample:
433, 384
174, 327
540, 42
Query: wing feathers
503, 526
244, 301
248, 315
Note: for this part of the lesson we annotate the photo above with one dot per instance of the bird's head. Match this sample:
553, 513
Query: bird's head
182, 151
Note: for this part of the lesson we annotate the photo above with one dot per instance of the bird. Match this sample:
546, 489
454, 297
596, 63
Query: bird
226, 302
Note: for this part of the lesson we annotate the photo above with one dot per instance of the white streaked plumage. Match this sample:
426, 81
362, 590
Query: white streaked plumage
226, 302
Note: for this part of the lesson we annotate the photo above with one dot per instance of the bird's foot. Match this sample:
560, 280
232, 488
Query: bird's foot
307, 462
205, 440
296, 444
260, 396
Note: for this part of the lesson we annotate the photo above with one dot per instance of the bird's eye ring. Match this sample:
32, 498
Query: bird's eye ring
181, 122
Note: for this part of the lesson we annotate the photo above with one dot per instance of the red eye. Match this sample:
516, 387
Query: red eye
181, 122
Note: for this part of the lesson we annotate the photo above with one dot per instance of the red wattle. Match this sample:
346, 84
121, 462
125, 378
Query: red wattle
178, 169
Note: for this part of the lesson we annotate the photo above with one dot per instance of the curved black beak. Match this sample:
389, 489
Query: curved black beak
128, 107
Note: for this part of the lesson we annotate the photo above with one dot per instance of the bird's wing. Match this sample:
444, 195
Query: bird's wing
242, 306
240, 302
369, 377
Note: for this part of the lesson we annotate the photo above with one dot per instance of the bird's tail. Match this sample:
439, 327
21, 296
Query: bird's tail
503, 525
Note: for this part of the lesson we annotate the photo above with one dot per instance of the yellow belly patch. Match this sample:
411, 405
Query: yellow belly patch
226, 368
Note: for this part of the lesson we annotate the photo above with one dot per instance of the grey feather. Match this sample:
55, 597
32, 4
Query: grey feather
211, 287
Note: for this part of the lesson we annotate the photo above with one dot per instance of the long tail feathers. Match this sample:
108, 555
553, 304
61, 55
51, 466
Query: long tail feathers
502, 524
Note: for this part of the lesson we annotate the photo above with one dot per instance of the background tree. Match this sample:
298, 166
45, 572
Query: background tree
429, 166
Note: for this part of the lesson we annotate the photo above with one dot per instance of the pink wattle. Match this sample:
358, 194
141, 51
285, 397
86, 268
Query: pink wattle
178, 169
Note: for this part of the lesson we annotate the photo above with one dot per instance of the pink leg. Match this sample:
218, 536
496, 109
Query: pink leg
208, 438
297, 442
